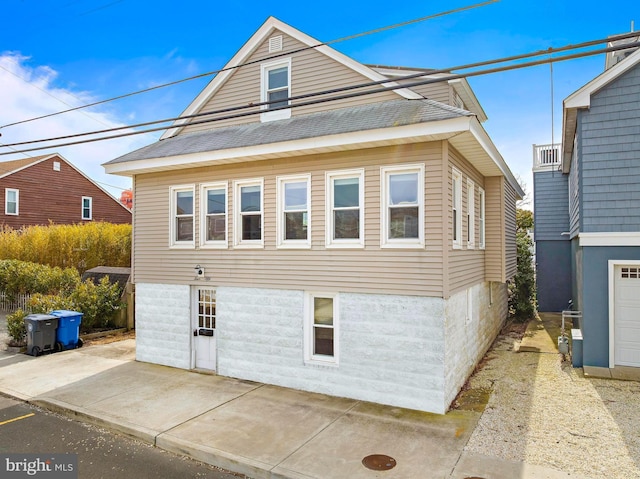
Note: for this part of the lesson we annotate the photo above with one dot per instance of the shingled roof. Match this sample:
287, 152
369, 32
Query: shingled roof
345, 120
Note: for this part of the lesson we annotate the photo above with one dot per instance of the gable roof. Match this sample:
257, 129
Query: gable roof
582, 99
365, 126
13, 166
253, 43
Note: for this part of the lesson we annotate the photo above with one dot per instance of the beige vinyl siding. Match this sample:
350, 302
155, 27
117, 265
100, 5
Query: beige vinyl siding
494, 227
465, 266
311, 71
369, 270
511, 255
440, 91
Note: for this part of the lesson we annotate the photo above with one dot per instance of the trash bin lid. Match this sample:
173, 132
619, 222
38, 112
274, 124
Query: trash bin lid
64, 313
40, 317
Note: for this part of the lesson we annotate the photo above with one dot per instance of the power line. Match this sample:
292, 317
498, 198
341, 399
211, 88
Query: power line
446, 71
353, 95
279, 55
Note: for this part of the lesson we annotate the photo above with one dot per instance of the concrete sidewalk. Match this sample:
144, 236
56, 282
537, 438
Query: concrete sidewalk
259, 430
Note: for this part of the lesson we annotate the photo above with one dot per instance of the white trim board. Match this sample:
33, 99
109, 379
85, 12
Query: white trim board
610, 239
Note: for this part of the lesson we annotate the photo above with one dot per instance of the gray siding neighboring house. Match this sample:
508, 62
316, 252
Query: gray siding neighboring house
600, 175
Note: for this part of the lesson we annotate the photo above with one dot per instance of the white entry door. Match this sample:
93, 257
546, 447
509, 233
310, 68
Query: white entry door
204, 328
627, 315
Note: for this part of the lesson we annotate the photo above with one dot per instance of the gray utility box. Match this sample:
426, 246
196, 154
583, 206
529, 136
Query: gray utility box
41, 333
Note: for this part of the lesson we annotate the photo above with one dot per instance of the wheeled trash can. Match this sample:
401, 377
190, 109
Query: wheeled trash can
41, 333
68, 333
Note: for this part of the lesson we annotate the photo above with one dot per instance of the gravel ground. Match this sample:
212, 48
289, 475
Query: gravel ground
542, 411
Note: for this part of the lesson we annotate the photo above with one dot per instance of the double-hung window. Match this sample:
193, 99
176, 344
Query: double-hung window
182, 216
249, 224
456, 206
402, 206
471, 215
481, 216
294, 211
345, 209
321, 328
87, 207
276, 89
11, 201
213, 215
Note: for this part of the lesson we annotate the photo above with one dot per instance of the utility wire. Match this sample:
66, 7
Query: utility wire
446, 71
279, 55
353, 95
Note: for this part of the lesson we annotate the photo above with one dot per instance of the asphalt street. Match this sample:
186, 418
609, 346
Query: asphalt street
101, 454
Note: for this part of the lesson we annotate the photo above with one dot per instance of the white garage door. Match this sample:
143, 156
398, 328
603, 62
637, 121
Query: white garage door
627, 315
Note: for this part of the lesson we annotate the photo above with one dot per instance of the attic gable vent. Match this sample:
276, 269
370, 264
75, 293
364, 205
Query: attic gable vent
56, 166
275, 44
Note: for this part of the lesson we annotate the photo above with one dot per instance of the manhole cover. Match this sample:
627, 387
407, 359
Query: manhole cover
379, 462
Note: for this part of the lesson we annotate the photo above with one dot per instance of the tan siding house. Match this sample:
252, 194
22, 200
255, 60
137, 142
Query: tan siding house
353, 246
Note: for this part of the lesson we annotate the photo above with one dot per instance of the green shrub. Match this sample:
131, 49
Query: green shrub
98, 302
20, 277
15, 326
45, 303
81, 246
522, 290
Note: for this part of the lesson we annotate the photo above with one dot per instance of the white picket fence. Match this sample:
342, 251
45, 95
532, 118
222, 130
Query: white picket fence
12, 304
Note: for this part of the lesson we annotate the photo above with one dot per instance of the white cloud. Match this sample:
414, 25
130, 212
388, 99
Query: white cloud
29, 91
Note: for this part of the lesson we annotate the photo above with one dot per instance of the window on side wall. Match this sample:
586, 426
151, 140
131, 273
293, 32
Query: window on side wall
481, 217
276, 89
249, 212
87, 207
11, 202
471, 215
182, 216
402, 206
294, 211
456, 200
321, 328
345, 209
213, 212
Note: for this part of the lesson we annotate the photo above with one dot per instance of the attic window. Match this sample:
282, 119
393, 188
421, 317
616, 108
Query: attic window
275, 44
56, 166
276, 89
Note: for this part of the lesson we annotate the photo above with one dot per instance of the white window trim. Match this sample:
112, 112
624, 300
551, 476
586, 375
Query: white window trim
213, 244
6, 201
90, 208
281, 242
284, 113
385, 173
471, 214
173, 243
457, 205
482, 220
317, 359
237, 224
329, 227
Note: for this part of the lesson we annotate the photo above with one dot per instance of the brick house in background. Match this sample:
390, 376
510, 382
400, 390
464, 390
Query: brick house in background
48, 189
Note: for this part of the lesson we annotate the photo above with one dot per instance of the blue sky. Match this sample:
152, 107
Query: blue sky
78, 51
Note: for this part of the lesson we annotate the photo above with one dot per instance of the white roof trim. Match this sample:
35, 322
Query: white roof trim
256, 40
462, 88
485, 141
581, 98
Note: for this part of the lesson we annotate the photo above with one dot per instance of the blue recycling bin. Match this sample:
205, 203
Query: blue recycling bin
68, 332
